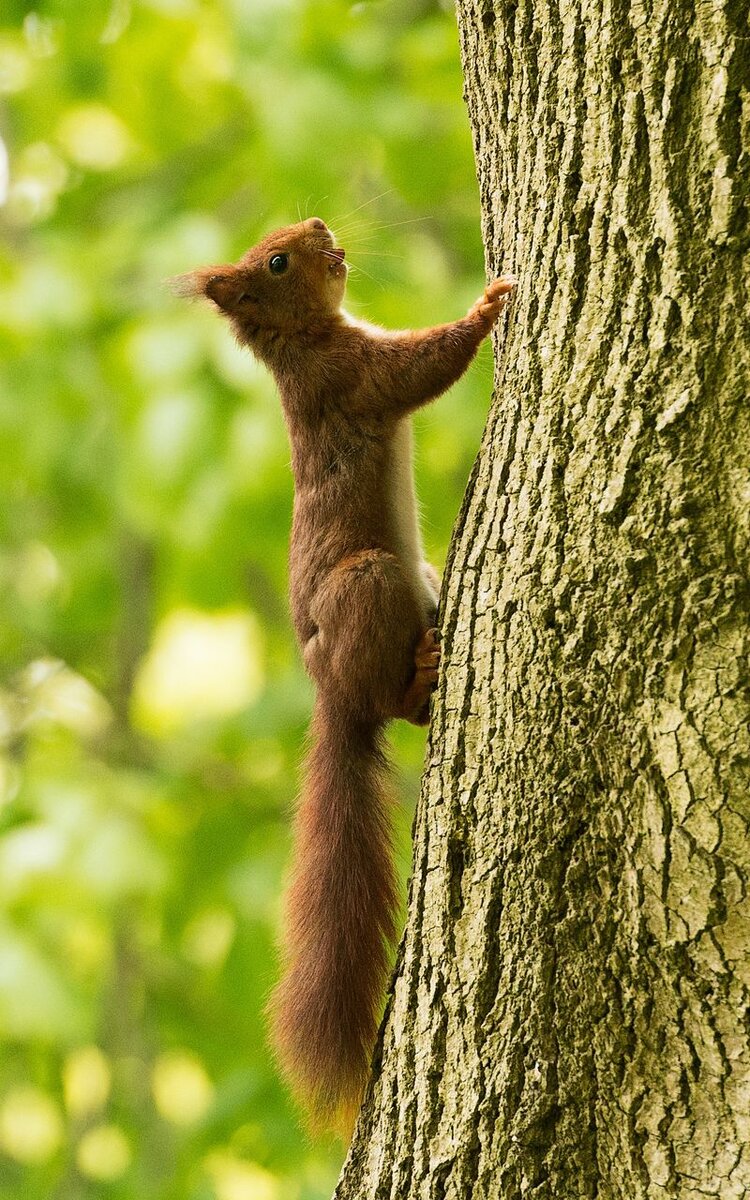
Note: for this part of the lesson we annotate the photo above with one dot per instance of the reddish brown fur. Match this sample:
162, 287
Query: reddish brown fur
363, 605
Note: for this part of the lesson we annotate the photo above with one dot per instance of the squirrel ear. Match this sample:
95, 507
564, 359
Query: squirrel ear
219, 284
225, 289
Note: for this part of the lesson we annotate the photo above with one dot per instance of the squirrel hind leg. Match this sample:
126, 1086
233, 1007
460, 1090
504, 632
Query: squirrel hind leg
416, 702
368, 619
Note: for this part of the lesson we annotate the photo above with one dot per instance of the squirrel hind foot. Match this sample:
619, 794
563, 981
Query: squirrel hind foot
416, 703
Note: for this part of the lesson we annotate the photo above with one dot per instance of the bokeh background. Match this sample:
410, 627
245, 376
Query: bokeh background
152, 707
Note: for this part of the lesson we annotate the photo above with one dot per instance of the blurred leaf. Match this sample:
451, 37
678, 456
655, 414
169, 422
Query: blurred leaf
35, 1000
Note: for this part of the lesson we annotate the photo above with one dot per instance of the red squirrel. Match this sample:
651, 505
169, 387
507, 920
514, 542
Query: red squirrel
364, 605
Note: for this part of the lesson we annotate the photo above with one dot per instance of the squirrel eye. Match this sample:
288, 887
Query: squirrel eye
278, 264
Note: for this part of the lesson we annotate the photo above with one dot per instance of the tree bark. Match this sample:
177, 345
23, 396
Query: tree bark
570, 1012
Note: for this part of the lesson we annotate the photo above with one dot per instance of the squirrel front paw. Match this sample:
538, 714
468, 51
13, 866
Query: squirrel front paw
495, 298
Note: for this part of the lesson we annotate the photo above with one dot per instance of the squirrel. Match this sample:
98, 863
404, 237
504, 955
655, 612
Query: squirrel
364, 607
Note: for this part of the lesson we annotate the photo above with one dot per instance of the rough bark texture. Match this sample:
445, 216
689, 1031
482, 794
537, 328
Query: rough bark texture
571, 1006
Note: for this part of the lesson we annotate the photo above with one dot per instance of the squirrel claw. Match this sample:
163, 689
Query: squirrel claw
416, 702
502, 286
427, 653
496, 296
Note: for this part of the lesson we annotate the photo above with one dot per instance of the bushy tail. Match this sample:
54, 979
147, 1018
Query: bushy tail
341, 911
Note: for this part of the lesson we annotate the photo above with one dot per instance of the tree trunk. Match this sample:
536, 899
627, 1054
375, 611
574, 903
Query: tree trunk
571, 1006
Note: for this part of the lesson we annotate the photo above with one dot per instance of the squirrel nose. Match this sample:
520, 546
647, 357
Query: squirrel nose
316, 223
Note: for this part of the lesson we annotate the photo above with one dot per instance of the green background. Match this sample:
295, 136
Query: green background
153, 708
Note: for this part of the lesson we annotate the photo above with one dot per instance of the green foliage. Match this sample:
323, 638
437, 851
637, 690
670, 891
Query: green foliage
153, 709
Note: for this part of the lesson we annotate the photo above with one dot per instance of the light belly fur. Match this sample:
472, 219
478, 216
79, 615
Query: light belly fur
402, 503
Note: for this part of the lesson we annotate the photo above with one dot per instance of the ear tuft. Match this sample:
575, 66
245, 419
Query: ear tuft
189, 285
197, 283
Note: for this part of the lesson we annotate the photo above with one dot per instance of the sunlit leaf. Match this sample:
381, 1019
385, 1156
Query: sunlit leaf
103, 1153
236, 1179
181, 1087
31, 1127
200, 665
208, 937
95, 137
87, 1079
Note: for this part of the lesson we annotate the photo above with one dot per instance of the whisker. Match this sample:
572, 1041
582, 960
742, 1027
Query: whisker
352, 211
363, 222
346, 230
374, 231
394, 224
379, 253
354, 267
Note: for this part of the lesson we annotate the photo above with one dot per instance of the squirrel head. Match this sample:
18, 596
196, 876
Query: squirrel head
289, 282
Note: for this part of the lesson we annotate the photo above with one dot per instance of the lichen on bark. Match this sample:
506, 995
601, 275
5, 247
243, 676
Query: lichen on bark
570, 1010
